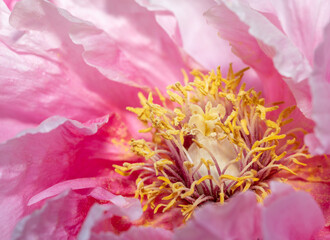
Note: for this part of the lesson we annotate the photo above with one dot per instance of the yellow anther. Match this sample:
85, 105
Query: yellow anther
142, 98
203, 179
290, 141
181, 89
238, 184
230, 117
247, 186
188, 165
263, 110
262, 149
299, 163
159, 206
140, 112
181, 136
165, 180
230, 97
171, 196
229, 177
285, 113
192, 188
280, 166
244, 126
179, 116
122, 173
175, 97
160, 164
185, 77
161, 97
145, 130
271, 124
198, 143
207, 163
150, 98
270, 138
280, 156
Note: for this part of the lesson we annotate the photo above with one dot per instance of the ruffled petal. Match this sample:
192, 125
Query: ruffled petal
200, 41
115, 222
58, 150
137, 233
315, 179
285, 214
43, 72
134, 47
320, 192
264, 47
59, 218
238, 219
290, 215
62, 217
98, 220
319, 141
301, 23
10, 3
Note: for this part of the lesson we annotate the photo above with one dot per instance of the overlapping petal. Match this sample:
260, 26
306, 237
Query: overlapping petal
279, 40
266, 49
44, 75
99, 223
58, 150
62, 217
75, 69
239, 219
152, 59
286, 214
200, 41
290, 215
319, 141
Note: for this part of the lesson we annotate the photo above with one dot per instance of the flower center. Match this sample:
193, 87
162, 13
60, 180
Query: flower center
210, 140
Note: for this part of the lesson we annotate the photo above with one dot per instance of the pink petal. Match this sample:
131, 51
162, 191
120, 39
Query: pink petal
237, 219
10, 3
199, 39
315, 179
292, 215
98, 224
137, 233
285, 214
58, 150
247, 48
97, 220
319, 141
303, 24
50, 75
74, 184
59, 218
169, 220
62, 216
261, 45
320, 192
133, 47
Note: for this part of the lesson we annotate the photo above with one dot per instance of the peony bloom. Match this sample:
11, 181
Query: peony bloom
68, 72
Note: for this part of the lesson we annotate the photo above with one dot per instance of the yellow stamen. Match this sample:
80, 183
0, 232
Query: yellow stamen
211, 138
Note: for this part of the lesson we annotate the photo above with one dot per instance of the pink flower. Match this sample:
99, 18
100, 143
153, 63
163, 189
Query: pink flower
79, 65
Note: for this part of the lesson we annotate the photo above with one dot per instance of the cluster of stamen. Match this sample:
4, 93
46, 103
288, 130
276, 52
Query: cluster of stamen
211, 138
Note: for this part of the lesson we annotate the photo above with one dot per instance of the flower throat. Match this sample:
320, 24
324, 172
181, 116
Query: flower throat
211, 139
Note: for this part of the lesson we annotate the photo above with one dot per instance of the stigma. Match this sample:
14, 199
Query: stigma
211, 138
